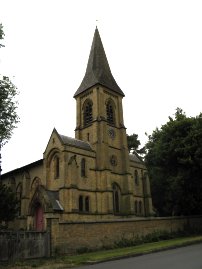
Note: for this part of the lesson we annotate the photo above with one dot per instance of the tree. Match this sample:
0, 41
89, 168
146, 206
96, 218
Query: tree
1, 34
174, 162
8, 106
134, 143
8, 204
8, 121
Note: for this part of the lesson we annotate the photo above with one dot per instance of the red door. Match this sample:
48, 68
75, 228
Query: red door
39, 220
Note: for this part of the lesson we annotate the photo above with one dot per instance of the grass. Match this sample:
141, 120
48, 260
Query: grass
104, 255
131, 251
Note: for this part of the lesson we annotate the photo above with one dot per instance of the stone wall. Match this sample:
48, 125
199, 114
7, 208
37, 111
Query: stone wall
15, 245
69, 237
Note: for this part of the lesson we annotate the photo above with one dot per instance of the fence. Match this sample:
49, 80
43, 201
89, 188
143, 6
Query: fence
15, 245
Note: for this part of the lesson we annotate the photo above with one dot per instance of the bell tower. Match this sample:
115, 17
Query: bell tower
100, 122
100, 113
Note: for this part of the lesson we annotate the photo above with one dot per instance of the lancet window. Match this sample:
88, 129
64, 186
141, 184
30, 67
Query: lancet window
84, 203
110, 112
88, 112
57, 167
116, 198
83, 167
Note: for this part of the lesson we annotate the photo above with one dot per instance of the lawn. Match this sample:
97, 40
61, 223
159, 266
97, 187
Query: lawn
100, 256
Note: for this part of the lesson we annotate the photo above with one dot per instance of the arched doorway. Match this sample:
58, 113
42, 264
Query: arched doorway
39, 218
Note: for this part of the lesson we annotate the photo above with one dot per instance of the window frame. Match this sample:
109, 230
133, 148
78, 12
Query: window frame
87, 112
136, 177
116, 198
83, 167
56, 166
110, 112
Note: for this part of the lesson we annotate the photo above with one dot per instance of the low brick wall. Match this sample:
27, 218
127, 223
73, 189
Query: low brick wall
69, 237
15, 245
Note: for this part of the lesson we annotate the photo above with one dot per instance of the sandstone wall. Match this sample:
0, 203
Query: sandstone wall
69, 237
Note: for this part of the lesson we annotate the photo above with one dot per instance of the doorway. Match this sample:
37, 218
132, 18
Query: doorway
39, 218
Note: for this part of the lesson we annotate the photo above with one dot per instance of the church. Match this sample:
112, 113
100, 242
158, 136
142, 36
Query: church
91, 177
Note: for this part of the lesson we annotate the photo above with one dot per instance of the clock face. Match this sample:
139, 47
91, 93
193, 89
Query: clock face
112, 133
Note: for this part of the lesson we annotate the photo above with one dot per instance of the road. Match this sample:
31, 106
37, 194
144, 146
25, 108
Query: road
189, 257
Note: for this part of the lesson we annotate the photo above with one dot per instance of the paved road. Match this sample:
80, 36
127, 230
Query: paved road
189, 257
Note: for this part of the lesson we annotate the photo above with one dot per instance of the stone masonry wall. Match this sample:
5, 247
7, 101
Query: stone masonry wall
69, 237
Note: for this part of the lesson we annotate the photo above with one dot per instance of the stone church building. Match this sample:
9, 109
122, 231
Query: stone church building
91, 177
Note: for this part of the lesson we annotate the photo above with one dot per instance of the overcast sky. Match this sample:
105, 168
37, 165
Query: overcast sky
154, 49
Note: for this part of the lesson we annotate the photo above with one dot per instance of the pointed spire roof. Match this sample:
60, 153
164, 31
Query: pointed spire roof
98, 70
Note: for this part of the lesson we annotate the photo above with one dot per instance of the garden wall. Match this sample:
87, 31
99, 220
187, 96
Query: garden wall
70, 237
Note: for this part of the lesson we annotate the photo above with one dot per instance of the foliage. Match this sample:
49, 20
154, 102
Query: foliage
8, 106
134, 143
1, 34
174, 162
8, 204
8, 121
155, 236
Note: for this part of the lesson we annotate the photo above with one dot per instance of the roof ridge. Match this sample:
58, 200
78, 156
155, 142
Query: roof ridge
76, 142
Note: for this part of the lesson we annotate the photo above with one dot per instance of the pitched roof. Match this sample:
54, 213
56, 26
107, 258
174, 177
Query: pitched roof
98, 70
75, 142
135, 157
22, 169
54, 200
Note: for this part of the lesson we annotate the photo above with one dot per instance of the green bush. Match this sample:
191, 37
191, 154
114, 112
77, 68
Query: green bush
155, 236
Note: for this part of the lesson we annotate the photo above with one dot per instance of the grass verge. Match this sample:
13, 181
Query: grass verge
104, 255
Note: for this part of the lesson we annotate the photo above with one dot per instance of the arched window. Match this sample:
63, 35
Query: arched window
140, 208
116, 198
83, 167
87, 204
110, 113
80, 203
19, 197
57, 167
88, 112
35, 183
136, 211
136, 177
12, 184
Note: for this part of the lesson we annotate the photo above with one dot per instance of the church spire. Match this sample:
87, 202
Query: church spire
98, 70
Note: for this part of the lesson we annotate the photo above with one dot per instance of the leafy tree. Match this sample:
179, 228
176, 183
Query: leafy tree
174, 161
134, 143
8, 121
8, 106
1, 34
8, 204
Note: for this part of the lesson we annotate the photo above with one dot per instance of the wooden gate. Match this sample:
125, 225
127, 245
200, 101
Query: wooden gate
16, 245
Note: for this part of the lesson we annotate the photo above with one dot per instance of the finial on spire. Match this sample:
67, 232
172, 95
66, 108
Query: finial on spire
96, 24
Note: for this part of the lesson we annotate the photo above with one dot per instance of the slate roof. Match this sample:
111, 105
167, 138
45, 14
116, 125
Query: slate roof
22, 169
54, 200
135, 157
75, 142
98, 70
